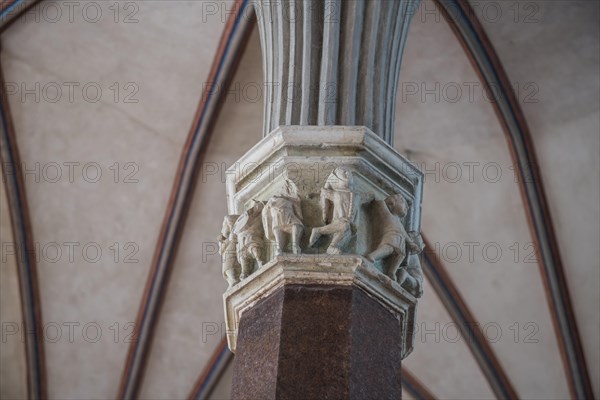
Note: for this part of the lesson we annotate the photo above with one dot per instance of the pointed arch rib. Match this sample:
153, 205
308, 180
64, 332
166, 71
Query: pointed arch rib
467, 324
413, 386
10, 10
469, 31
231, 45
25, 254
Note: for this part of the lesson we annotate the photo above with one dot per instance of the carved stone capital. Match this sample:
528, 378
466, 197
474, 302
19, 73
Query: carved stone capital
305, 269
319, 206
308, 154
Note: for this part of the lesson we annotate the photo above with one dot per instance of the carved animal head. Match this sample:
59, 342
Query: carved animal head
256, 208
340, 178
289, 188
397, 205
228, 222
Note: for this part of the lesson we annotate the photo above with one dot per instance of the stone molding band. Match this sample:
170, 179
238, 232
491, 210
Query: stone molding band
308, 269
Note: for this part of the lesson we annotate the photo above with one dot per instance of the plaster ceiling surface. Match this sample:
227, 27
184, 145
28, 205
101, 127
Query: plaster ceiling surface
476, 221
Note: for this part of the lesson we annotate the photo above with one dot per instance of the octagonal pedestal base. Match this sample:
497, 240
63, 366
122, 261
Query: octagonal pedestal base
318, 342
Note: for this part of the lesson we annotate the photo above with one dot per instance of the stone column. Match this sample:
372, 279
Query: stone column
320, 247
332, 62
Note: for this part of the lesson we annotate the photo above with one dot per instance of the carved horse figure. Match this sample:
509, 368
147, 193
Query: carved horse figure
282, 217
250, 239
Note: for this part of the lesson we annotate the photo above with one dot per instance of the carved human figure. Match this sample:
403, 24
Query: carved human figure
339, 204
395, 243
410, 274
227, 249
250, 239
282, 218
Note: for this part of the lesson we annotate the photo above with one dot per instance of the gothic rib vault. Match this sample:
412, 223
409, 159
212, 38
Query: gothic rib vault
430, 129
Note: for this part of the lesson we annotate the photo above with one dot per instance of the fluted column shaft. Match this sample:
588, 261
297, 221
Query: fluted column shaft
332, 62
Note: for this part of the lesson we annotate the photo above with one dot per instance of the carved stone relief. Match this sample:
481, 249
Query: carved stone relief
248, 229
323, 205
282, 218
340, 203
395, 245
228, 251
278, 222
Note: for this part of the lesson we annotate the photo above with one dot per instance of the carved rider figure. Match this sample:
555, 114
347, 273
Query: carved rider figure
396, 244
249, 231
282, 217
339, 204
227, 249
